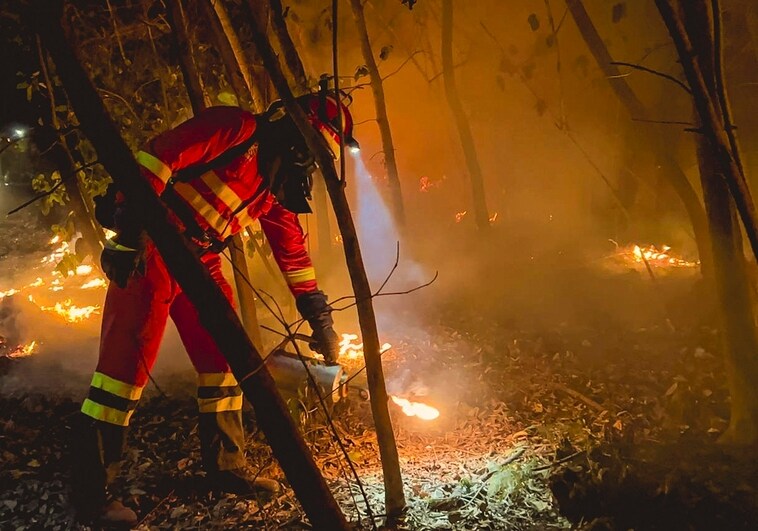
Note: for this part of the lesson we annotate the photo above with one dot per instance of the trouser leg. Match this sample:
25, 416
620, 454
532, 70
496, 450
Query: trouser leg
134, 319
222, 438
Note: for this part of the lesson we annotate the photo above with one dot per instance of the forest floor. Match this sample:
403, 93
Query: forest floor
557, 411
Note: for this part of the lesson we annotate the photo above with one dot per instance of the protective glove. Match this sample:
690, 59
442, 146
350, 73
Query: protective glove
120, 263
314, 309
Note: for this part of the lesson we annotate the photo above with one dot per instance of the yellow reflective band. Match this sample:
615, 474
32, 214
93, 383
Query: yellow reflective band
300, 275
216, 379
202, 207
223, 191
116, 387
105, 413
155, 165
215, 405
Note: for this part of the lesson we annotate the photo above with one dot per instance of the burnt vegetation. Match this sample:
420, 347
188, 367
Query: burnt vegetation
542, 261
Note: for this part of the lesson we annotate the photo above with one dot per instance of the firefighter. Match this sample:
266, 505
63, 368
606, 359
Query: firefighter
217, 172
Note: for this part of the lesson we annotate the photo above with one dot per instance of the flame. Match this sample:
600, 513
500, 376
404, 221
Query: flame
416, 409
23, 351
351, 349
459, 216
70, 312
659, 257
8, 293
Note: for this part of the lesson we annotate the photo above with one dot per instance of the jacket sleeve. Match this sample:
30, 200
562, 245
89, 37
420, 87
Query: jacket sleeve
285, 235
198, 140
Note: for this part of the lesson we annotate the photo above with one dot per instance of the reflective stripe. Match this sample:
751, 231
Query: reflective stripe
155, 165
202, 207
224, 192
300, 275
116, 387
216, 379
105, 413
214, 405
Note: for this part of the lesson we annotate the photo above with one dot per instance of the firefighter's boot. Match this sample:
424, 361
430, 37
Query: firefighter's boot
222, 441
96, 451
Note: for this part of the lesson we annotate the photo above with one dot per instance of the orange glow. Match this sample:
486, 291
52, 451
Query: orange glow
70, 312
659, 257
416, 409
460, 215
493, 218
23, 351
95, 283
351, 349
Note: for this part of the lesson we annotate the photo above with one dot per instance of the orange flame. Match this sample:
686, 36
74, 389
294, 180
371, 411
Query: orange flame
416, 409
459, 216
23, 351
659, 257
70, 312
350, 349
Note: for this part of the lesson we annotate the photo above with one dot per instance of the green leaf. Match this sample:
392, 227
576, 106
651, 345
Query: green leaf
227, 98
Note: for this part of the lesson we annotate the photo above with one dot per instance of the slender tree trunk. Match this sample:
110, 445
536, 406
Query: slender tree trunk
690, 24
243, 69
380, 104
461, 120
393, 483
215, 312
673, 172
178, 22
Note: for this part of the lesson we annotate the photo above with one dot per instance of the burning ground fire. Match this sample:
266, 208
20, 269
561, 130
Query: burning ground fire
351, 350
54, 280
653, 256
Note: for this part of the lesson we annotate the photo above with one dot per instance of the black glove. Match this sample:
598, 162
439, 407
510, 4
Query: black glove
314, 309
120, 263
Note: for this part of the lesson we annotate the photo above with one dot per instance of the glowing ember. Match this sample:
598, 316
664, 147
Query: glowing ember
8, 293
37, 283
95, 283
23, 351
493, 218
459, 216
416, 409
659, 257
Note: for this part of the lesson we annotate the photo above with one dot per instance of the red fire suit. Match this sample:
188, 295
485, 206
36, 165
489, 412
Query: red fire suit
223, 201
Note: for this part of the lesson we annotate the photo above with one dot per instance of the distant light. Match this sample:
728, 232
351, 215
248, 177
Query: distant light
354, 150
19, 132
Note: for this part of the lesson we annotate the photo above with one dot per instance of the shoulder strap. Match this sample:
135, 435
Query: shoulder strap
196, 170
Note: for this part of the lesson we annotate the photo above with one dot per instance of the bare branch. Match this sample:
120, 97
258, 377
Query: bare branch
655, 73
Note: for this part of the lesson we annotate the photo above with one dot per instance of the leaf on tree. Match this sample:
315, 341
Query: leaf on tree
384, 53
618, 12
409, 3
534, 22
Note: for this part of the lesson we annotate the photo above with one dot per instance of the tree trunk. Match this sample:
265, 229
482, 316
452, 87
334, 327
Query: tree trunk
673, 172
215, 312
461, 120
178, 22
393, 483
233, 43
691, 27
380, 104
